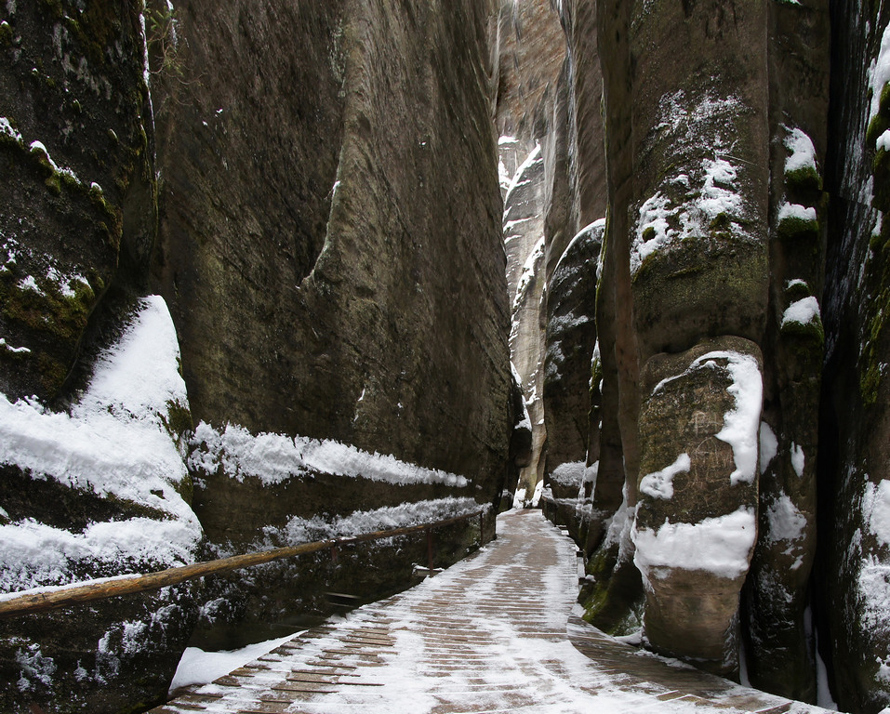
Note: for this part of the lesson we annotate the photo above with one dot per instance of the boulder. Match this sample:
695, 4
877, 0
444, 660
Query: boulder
696, 517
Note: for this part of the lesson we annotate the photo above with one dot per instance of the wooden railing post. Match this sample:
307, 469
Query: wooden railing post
429, 548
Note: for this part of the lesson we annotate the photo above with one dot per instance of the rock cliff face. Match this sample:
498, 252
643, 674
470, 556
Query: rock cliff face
530, 101
853, 465
363, 144
300, 228
705, 358
93, 410
259, 286
312, 190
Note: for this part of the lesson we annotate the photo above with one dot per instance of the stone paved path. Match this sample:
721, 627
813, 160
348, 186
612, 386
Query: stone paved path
494, 633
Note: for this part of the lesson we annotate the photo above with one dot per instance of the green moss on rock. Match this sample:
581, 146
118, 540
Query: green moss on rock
50, 310
6, 34
797, 290
613, 599
804, 179
792, 228
871, 367
877, 300
812, 331
877, 126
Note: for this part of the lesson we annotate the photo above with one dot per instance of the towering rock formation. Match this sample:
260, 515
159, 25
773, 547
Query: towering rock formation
301, 229
312, 190
709, 289
531, 50
92, 481
322, 221
780, 653
705, 426
854, 481
709, 293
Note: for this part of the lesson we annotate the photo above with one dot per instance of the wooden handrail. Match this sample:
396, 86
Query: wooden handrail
28, 603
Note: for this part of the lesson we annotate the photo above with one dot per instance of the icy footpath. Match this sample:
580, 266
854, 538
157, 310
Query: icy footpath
487, 635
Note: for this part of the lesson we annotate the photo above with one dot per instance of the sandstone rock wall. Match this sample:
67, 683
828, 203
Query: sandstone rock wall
530, 115
777, 593
313, 190
716, 136
853, 449
689, 144
92, 481
331, 253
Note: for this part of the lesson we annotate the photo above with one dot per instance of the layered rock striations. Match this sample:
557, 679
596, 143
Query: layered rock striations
94, 412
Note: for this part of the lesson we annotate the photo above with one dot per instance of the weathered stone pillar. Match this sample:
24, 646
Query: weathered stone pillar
696, 515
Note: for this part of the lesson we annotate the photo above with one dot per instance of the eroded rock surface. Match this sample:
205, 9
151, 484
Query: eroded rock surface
571, 338
301, 229
93, 411
853, 459
695, 524
323, 220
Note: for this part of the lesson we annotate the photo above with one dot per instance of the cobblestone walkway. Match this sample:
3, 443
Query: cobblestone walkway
494, 633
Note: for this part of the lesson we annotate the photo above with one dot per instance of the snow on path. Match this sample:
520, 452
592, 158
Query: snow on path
487, 635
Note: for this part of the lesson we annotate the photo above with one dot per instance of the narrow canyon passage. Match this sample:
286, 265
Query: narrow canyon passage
405, 261
487, 635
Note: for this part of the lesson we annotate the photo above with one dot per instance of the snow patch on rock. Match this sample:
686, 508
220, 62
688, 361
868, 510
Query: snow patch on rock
720, 545
275, 458
802, 152
876, 510
796, 211
709, 191
802, 312
660, 484
307, 530
529, 270
741, 424
597, 226
569, 474
533, 158
798, 459
114, 443
769, 446
879, 73
786, 522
